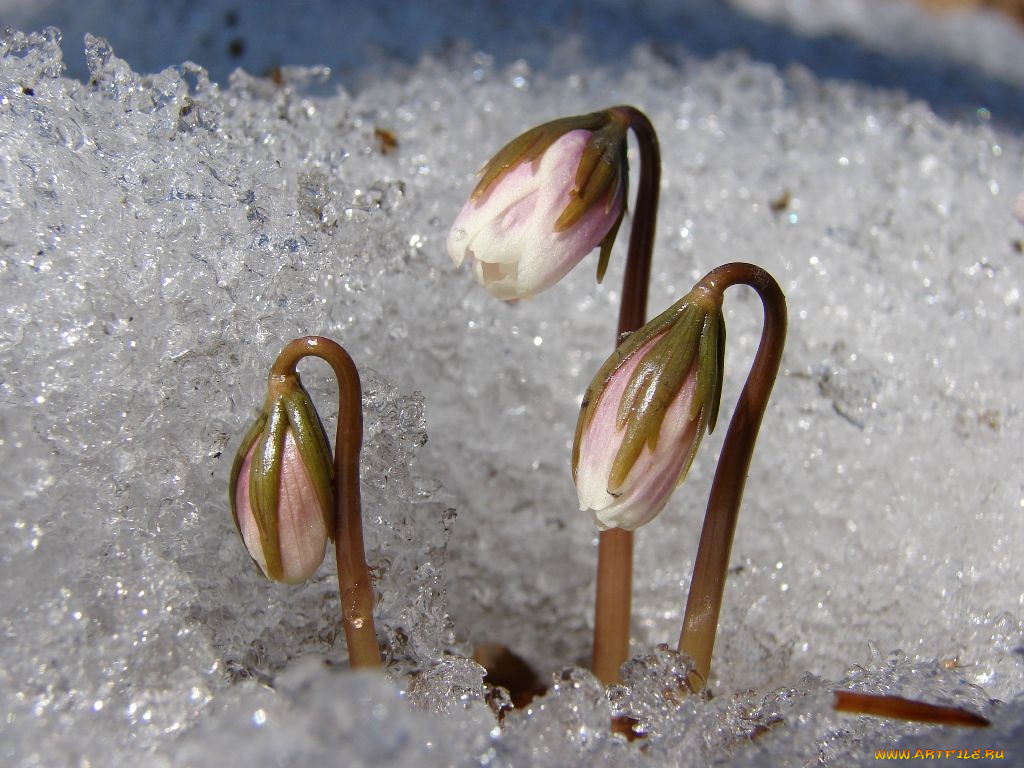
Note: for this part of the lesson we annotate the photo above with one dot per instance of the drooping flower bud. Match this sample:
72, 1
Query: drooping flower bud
281, 492
543, 202
646, 410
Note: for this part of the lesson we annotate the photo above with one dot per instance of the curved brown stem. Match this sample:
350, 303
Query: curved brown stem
700, 622
353, 573
637, 277
614, 588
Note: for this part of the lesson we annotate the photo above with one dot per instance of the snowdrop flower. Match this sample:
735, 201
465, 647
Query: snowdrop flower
544, 201
646, 410
281, 492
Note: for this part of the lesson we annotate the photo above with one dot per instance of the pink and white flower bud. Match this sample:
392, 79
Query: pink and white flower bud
509, 235
656, 472
646, 411
301, 530
281, 487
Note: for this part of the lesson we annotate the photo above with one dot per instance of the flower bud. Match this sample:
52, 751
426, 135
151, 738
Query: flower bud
281, 492
645, 412
544, 202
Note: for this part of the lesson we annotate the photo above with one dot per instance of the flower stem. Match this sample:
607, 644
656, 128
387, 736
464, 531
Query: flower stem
612, 609
700, 622
353, 574
637, 277
615, 546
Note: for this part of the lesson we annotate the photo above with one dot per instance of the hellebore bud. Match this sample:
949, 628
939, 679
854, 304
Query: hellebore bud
646, 410
543, 202
281, 492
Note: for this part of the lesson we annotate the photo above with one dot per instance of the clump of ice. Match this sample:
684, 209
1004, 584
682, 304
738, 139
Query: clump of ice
164, 235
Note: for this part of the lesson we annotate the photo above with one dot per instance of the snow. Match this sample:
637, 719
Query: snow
165, 230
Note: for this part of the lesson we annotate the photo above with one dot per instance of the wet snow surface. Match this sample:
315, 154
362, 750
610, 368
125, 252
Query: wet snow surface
163, 233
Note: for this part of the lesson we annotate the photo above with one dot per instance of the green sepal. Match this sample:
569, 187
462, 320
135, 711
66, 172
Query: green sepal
598, 176
721, 370
606, 246
712, 367
710, 362
609, 239
315, 451
265, 485
529, 146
